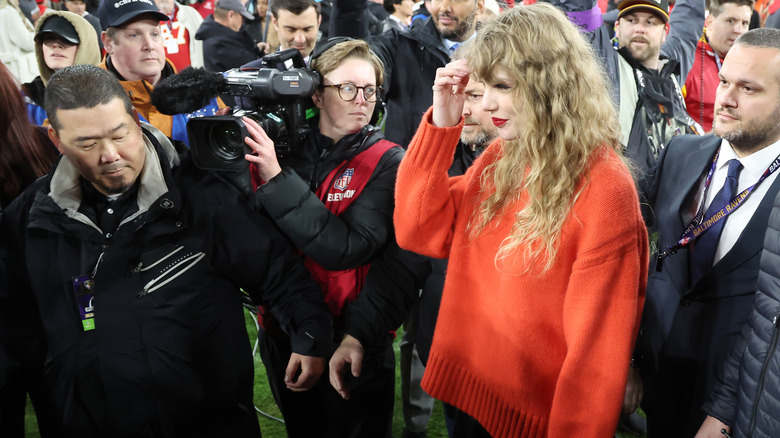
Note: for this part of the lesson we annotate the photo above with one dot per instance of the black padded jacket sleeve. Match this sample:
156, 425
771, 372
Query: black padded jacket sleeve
722, 402
335, 242
251, 253
392, 286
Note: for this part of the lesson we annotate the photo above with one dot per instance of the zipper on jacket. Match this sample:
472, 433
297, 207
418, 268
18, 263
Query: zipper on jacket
760, 389
186, 263
142, 268
315, 172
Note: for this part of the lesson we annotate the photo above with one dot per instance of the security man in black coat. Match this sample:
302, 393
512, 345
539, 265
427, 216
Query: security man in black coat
126, 262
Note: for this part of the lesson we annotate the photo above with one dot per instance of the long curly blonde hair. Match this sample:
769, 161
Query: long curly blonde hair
562, 97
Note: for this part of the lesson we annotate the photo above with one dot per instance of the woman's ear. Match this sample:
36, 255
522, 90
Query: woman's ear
317, 98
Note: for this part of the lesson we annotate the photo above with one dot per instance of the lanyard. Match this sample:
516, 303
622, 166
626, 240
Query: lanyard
698, 226
718, 62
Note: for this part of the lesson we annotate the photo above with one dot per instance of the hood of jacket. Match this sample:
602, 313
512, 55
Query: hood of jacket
88, 51
210, 29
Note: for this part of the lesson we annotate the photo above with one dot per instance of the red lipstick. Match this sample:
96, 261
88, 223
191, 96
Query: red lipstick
499, 122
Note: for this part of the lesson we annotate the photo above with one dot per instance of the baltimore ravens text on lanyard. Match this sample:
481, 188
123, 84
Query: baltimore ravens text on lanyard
698, 226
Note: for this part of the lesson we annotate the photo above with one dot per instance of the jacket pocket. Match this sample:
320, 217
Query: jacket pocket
171, 262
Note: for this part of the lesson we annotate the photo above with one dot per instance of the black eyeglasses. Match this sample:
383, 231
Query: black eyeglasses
348, 91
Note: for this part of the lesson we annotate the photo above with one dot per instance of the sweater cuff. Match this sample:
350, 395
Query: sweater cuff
434, 147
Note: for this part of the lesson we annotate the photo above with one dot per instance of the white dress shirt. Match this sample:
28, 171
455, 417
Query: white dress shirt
753, 166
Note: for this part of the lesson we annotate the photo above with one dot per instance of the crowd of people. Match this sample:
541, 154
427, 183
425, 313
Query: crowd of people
570, 219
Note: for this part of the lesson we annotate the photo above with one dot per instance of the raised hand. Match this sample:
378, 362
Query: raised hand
448, 95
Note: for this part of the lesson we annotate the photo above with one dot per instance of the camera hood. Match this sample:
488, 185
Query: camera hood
217, 143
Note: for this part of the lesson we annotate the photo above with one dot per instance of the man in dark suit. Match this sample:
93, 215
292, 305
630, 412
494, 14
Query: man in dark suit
709, 237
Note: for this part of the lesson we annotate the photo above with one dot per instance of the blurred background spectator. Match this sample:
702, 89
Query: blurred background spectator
16, 42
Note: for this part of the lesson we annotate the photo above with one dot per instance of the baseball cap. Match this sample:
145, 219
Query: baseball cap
114, 13
659, 7
59, 26
234, 5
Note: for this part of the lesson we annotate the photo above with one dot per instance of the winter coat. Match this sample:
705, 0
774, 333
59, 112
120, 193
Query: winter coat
703, 80
746, 395
189, 18
358, 235
169, 354
685, 21
389, 23
16, 42
88, 52
224, 48
336, 243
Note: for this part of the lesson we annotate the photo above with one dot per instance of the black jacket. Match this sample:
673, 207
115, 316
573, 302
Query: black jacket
169, 355
393, 287
373, 21
224, 48
335, 242
35, 90
746, 395
410, 60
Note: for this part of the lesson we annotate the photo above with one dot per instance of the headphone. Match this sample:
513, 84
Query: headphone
324, 46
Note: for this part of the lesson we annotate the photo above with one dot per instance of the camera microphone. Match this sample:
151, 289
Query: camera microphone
186, 92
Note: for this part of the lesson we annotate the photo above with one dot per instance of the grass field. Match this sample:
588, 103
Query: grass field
264, 401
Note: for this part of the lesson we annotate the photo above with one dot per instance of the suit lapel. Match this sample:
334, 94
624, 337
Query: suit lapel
751, 240
692, 168
696, 164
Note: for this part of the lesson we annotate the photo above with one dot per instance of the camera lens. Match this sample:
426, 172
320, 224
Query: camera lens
226, 136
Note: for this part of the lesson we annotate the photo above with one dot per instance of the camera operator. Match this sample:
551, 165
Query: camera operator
333, 197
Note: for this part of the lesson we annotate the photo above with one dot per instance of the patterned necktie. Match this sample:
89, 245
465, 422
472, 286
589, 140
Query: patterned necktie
703, 252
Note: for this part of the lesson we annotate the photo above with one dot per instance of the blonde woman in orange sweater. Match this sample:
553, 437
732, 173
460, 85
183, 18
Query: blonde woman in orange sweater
546, 245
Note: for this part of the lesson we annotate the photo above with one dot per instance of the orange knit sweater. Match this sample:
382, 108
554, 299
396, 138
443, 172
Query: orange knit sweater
527, 355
